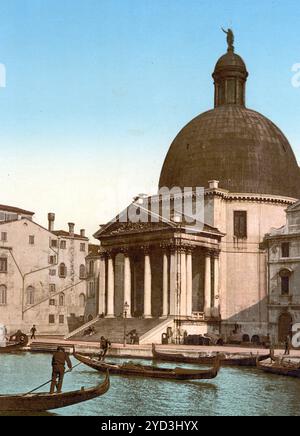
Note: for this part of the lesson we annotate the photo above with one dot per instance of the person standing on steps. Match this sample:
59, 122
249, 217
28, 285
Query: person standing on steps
33, 332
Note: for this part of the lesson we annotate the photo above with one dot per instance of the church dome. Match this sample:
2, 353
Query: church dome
237, 146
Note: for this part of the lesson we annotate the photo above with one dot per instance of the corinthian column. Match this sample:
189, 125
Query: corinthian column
207, 285
182, 309
111, 288
147, 286
127, 283
165, 285
102, 283
189, 284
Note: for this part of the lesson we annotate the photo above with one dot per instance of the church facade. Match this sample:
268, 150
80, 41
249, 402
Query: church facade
214, 279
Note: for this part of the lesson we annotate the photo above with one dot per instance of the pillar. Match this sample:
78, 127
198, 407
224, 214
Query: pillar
189, 284
165, 285
110, 287
217, 282
102, 286
127, 283
173, 282
207, 285
147, 286
183, 283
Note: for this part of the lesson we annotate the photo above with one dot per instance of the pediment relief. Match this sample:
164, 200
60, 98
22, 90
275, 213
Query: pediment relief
139, 227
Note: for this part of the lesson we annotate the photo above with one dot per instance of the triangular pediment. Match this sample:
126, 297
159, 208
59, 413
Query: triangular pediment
294, 207
143, 222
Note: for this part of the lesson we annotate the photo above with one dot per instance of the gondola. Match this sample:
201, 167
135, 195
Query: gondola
15, 344
131, 369
248, 360
43, 402
280, 367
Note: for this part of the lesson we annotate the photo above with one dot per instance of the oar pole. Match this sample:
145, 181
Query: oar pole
45, 384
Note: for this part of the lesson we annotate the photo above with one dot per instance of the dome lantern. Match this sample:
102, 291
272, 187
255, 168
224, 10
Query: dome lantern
230, 76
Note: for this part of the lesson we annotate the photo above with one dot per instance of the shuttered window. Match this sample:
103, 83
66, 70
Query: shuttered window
240, 224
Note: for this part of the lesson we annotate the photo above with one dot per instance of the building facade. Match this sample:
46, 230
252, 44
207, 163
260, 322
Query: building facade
42, 274
215, 279
283, 246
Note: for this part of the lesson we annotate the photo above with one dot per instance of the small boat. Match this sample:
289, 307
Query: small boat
131, 369
45, 401
248, 360
280, 367
15, 344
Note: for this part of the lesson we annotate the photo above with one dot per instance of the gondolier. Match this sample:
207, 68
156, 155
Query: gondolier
104, 346
59, 360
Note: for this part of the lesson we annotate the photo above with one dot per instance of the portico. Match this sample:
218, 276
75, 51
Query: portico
174, 274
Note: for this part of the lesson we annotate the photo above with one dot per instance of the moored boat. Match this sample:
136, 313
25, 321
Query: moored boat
16, 343
280, 367
131, 369
248, 360
45, 401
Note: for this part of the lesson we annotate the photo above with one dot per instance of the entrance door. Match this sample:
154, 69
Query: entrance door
285, 323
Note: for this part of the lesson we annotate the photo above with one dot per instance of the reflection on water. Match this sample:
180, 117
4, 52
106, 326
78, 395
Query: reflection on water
235, 392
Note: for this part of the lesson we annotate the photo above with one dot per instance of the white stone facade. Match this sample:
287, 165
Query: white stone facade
42, 277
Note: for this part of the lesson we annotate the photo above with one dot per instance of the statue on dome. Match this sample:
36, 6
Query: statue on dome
230, 39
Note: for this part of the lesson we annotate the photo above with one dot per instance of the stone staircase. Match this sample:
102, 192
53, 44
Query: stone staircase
113, 329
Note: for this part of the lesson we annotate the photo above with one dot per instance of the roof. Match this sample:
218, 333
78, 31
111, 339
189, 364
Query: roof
15, 210
94, 250
237, 146
66, 234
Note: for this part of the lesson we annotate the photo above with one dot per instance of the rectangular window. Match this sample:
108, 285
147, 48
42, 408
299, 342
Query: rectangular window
4, 237
240, 224
61, 319
63, 245
52, 302
285, 286
51, 319
52, 260
3, 265
82, 247
31, 240
53, 243
52, 288
285, 250
52, 272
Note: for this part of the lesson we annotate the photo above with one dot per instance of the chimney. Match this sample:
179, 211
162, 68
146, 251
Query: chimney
51, 220
82, 233
213, 184
71, 229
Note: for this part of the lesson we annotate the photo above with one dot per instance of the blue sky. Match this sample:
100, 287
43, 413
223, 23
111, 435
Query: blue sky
97, 90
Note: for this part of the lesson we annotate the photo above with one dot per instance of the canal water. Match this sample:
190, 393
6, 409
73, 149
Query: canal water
235, 392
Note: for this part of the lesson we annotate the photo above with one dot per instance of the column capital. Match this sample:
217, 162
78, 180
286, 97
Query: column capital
146, 249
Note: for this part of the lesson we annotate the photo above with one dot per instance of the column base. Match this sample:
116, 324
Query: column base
164, 317
110, 316
147, 316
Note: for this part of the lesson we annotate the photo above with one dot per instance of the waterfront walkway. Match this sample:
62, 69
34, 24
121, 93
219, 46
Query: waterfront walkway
145, 351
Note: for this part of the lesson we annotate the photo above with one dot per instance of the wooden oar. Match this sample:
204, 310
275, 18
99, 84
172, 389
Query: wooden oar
48, 382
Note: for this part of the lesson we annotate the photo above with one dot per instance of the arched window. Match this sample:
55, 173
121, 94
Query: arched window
82, 274
62, 271
3, 295
30, 295
82, 300
61, 300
